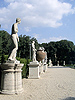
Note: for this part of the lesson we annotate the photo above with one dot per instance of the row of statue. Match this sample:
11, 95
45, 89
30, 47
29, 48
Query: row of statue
11, 80
14, 47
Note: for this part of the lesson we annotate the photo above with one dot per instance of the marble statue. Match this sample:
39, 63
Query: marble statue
15, 40
64, 63
57, 63
50, 63
34, 51
45, 60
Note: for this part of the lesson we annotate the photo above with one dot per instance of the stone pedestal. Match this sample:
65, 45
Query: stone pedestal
57, 64
34, 70
50, 65
64, 63
11, 80
40, 68
45, 67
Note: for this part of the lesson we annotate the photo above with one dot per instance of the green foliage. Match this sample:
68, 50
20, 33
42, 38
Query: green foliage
3, 58
25, 68
23, 50
5, 41
24, 46
64, 50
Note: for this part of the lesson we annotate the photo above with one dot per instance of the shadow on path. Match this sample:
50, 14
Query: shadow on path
69, 98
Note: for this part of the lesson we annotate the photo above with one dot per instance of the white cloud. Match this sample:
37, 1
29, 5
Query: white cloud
57, 38
34, 13
27, 29
46, 40
37, 36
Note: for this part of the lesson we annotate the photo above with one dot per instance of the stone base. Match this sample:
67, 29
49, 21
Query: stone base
40, 68
45, 67
34, 70
50, 65
57, 64
11, 80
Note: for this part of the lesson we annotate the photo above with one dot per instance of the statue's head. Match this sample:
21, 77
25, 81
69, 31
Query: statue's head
18, 20
33, 42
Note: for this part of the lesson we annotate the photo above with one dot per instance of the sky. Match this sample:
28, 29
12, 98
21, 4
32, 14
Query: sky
46, 20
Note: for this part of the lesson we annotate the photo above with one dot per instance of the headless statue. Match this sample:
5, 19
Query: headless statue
15, 40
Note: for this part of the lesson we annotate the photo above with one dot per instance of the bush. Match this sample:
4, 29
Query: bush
3, 58
25, 68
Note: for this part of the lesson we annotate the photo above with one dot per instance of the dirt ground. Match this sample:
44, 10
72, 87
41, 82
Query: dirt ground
57, 83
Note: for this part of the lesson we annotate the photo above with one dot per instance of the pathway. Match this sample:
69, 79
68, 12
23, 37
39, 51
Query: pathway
58, 83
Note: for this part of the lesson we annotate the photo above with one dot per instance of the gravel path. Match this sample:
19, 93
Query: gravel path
58, 83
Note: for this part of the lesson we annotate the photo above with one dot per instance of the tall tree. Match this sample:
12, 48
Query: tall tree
5, 41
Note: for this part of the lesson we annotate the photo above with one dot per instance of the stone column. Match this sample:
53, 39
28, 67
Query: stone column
40, 68
11, 80
57, 63
7, 79
18, 78
34, 70
64, 63
45, 67
50, 63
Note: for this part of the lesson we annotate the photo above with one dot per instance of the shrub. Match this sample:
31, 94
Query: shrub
3, 58
25, 68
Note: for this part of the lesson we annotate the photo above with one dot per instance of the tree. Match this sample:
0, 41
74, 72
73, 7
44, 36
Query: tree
5, 42
65, 51
23, 50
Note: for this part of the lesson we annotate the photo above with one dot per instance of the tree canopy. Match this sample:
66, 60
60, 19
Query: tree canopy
63, 50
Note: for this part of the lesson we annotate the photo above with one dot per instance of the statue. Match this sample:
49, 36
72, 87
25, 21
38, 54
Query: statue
34, 51
15, 40
57, 63
45, 59
50, 63
64, 63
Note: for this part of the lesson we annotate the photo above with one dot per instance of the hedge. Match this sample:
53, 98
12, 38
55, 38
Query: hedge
25, 68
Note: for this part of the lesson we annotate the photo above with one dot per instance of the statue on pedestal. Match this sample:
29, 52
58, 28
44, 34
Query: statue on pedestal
57, 63
15, 40
34, 51
11, 80
50, 63
64, 63
45, 60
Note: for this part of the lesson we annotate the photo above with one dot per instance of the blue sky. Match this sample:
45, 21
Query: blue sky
46, 20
